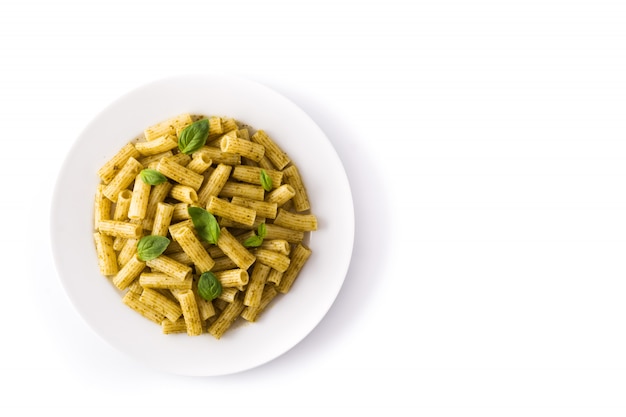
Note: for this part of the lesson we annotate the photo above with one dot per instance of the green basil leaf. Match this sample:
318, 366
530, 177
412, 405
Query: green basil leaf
194, 136
262, 231
253, 242
152, 176
209, 287
150, 247
266, 181
205, 224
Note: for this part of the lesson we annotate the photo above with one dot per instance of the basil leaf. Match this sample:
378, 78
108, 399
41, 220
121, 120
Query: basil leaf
262, 230
150, 247
152, 176
194, 136
266, 181
209, 287
253, 242
205, 224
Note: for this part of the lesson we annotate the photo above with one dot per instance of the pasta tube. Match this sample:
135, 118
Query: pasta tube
293, 178
131, 299
159, 145
161, 303
162, 219
123, 179
172, 126
171, 327
102, 207
242, 147
180, 174
110, 169
276, 260
226, 318
190, 313
139, 199
170, 267
301, 222
240, 189
252, 313
200, 162
121, 229
299, 256
237, 278
214, 183
281, 195
164, 281
193, 247
235, 250
123, 204
128, 273
262, 208
107, 261
222, 208
157, 195
184, 193
254, 290
252, 175
219, 157
272, 150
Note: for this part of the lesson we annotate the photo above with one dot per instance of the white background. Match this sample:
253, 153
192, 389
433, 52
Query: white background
485, 145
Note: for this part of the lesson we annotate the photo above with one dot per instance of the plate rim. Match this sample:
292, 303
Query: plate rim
79, 139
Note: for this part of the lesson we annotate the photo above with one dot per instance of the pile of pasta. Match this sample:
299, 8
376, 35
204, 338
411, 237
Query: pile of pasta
222, 177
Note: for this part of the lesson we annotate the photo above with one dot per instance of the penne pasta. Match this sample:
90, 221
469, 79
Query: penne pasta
245, 148
190, 313
299, 255
164, 281
252, 313
294, 221
254, 290
178, 173
161, 304
300, 199
157, 195
107, 261
237, 278
213, 184
240, 189
216, 155
157, 146
200, 162
272, 150
226, 318
128, 273
122, 179
235, 250
281, 195
262, 208
162, 219
121, 229
192, 247
276, 260
102, 207
172, 126
254, 194
184, 194
122, 206
110, 169
252, 175
170, 267
131, 299
139, 200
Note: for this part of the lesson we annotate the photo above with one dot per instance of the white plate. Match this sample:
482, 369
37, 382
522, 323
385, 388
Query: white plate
292, 316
